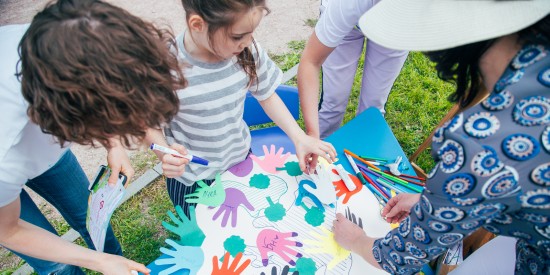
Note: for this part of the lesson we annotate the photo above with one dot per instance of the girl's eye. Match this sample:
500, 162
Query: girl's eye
237, 38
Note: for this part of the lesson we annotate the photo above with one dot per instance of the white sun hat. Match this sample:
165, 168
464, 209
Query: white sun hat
428, 25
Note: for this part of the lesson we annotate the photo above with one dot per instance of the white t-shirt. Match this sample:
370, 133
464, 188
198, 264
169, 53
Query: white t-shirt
338, 18
25, 152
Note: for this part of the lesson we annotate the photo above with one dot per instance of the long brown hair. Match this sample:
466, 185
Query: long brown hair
92, 71
222, 14
461, 64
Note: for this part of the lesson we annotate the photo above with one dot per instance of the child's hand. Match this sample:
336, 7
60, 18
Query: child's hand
173, 166
309, 148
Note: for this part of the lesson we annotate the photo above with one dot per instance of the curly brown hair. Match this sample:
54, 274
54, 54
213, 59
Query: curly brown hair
92, 71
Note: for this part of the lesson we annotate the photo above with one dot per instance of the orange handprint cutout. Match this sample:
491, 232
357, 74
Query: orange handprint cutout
226, 269
342, 190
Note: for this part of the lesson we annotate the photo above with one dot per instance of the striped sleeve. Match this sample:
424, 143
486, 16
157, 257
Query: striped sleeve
269, 75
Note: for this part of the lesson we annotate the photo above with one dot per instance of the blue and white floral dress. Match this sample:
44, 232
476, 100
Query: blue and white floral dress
493, 171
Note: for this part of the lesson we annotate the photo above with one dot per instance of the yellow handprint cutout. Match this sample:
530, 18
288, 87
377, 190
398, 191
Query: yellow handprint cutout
325, 244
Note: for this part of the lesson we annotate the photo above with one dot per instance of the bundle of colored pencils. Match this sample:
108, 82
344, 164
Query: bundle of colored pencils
382, 182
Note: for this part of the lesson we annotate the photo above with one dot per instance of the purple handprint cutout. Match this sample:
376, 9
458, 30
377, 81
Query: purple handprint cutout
271, 160
233, 198
242, 168
270, 240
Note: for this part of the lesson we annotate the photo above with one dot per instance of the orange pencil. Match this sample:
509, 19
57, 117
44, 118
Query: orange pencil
361, 160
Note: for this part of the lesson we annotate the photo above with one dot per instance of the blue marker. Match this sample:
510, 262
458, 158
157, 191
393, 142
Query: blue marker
190, 157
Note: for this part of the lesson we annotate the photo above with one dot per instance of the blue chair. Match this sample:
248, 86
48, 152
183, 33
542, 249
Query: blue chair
254, 115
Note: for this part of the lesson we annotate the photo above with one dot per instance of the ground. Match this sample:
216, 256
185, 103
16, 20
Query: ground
287, 21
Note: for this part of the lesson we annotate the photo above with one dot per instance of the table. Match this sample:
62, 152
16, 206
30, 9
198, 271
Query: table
367, 134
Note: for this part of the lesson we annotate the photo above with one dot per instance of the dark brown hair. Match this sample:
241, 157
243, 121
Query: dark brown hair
222, 14
461, 64
92, 71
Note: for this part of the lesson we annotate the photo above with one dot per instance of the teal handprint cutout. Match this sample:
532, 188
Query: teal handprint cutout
234, 245
259, 181
186, 228
304, 266
292, 168
275, 211
212, 195
314, 216
180, 257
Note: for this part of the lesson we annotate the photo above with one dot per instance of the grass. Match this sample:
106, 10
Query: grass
416, 104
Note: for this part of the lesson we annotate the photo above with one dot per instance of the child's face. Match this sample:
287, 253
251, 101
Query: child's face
232, 41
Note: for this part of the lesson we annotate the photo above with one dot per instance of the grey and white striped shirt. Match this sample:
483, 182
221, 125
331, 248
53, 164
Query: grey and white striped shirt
210, 119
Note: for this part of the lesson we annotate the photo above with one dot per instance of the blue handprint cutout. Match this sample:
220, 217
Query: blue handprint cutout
182, 257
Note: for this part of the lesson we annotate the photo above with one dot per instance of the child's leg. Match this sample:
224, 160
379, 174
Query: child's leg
178, 190
338, 75
381, 68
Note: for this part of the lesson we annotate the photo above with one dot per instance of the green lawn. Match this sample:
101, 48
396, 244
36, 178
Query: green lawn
416, 104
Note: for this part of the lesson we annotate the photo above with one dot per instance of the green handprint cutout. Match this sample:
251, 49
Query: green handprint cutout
292, 168
212, 195
234, 245
275, 211
259, 181
304, 266
187, 229
314, 216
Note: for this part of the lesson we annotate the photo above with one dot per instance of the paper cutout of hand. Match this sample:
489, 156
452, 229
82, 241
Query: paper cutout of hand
325, 244
284, 271
303, 193
324, 189
271, 160
225, 269
242, 168
350, 216
182, 257
342, 190
270, 240
186, 228
233, 199
292, 168
212, 195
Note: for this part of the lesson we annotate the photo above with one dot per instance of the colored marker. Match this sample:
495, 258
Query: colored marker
190, 157
373, 158
358, 173
342, 173
346, 151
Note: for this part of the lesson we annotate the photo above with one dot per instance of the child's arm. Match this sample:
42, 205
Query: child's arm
307, 147
314, 55
172, 166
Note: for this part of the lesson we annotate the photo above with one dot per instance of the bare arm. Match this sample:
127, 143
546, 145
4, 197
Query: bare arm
31, 240
314, 55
